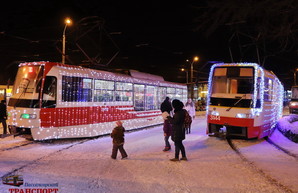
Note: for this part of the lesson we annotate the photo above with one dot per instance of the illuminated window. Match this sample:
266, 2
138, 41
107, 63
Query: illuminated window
233, 80
179, 94
139, 97
104, 90
162, 94
27, 78
268, 89
184, 94
123, 91
76, 89
151, 98
49, 92
171, 92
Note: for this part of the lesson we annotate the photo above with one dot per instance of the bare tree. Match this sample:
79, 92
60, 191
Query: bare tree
264, 22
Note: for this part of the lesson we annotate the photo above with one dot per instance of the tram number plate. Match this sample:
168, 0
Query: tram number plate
215, 117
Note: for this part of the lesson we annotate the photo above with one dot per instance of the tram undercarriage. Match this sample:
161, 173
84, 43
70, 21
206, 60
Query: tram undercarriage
227, 131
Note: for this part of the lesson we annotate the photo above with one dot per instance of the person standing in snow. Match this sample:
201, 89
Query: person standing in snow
178, 133
3, 115
166, 108
190, 108
118, 141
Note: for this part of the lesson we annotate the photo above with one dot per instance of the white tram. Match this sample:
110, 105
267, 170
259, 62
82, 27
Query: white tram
244, 100
52, 100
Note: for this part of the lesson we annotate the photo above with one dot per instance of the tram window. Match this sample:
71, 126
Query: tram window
39, 81
67, 89
184, 95
245, 86
49, 92
124, 86
268, 89
87, 83
76, 89
139, 97
233, 80
258, 102
103, 96
27, 78
85, 91
220, 71
179, 94
219, 84
123, 91
151, 98
171, 92
162, 93
123, 96
104, 90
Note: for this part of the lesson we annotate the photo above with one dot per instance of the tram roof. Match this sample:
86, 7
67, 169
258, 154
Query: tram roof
135, 76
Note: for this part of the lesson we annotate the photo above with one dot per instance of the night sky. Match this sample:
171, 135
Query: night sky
151, 36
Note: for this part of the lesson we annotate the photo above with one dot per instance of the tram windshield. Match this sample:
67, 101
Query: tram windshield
233, 80
26, 80
27, 87
232, 86
26, 92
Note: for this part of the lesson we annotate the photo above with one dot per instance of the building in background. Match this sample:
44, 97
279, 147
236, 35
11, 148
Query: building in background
5, 92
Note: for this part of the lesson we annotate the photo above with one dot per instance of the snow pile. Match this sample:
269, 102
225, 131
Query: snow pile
288, 126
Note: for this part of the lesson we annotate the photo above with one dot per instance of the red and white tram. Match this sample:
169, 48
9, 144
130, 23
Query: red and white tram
244, 100
52, 100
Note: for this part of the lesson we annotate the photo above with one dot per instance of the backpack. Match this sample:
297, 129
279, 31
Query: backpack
187, 119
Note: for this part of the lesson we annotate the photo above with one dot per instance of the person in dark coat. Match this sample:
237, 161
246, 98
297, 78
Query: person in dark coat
3, 115
178, 133
118, 141
167, 130
166, 106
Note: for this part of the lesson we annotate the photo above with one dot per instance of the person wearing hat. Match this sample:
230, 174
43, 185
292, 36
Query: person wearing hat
178, 132
118, 141
166, 108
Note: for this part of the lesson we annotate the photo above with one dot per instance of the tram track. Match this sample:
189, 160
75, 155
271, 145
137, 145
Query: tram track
269, 178
40, 158
284, 150
16, 146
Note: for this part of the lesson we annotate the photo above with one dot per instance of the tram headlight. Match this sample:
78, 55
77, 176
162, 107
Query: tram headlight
244, 115
28, 116
215, 113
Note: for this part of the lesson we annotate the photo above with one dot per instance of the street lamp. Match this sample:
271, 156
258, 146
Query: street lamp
195, 59
185, 70
67, 22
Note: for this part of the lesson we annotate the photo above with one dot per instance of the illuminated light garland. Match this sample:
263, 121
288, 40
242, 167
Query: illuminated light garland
98, 128
269, 112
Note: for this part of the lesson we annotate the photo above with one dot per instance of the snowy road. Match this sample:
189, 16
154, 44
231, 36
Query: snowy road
80, 166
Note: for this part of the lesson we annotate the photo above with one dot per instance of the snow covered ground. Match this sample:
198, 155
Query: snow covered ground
85, 165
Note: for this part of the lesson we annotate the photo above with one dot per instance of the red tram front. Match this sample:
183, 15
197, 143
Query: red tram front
244, 100
52, 101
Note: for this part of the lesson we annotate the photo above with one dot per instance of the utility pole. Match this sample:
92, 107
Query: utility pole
195, 59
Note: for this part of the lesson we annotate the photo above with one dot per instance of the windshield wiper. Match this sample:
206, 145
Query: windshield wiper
236, 103
23, 92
